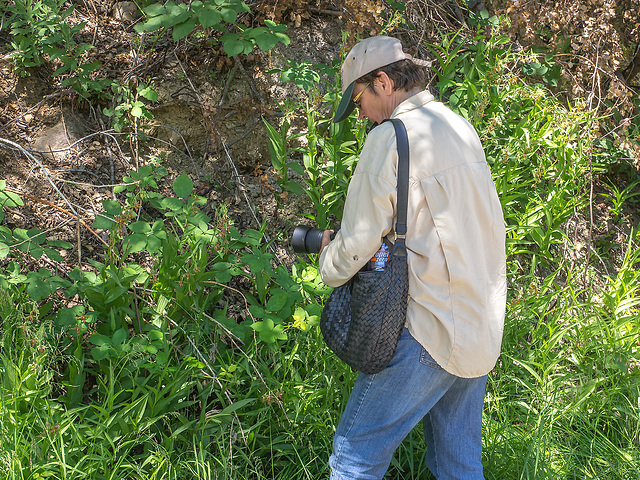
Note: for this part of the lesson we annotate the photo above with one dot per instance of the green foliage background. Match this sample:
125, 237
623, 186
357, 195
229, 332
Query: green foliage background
190, 352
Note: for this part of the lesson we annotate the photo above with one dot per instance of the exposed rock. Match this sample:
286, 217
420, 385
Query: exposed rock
125, 11
59, 137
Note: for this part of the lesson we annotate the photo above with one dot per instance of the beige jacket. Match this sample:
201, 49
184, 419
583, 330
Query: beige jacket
455, 237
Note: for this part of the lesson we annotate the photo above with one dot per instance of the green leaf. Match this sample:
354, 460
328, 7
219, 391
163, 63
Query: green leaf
209, 16
115, 293
39, 288
258, 262
9, 199
103, 222
275, 27
268, 331
59, 244
183, 29
235, 44
183, 186
293, 187
140, 227
36, 236
120, 336
277, 302
229, 15
136, 111
257, 311
154, 243
172, 203
4, 250
135, 242
101, 352
235, 406
148, 92
99, 339
68, 316
262, 37
112, 207
154, 10
53, 254
153, 24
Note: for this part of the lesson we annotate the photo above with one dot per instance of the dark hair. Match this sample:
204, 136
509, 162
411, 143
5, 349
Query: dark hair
406, 75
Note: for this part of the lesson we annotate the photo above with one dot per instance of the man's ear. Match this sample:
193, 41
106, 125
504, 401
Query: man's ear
386, 84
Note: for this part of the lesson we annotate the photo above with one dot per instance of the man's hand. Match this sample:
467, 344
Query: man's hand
326, 239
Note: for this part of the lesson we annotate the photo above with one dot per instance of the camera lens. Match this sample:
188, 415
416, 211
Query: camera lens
306, 239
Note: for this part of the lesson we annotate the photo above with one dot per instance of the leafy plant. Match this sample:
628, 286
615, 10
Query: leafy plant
130, 105
41, 32
215, 14
328, 156
38, 28
619, 197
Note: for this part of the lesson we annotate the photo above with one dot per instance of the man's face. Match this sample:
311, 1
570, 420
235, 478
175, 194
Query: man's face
369, 104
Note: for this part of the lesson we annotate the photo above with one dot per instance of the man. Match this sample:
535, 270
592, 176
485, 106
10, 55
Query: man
457, 274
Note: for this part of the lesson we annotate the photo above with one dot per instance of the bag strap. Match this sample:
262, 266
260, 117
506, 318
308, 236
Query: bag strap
402, 144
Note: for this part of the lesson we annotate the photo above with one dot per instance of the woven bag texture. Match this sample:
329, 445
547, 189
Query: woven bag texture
363, 319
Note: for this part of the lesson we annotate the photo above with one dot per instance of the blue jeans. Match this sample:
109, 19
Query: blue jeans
383, 409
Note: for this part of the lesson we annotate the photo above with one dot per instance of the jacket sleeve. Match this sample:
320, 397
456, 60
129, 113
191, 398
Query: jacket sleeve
368, 211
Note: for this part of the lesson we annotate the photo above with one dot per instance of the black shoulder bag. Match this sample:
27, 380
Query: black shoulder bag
363, 319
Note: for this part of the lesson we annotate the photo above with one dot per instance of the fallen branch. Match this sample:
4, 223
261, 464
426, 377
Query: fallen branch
44, 170
46, 202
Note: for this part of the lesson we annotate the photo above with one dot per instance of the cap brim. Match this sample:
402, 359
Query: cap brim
346, 106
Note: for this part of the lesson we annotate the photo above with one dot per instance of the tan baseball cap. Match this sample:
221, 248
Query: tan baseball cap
365, 57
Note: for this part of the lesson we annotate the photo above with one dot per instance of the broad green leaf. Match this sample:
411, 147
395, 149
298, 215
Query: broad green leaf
209, 16
59, 244
112, 207
233, 47
115, 293
172, 203
229, 15
101, 352
136, 111
181, 30
99, 339
153, 24
154, 10
53, 254
154, 244
120, 336
183, 186
257, 311
275, 27
277, 301
140, 227
39, 288
135, 242
293, 187
258, 262
268, 331
68, 316
9, 199
149, 93
103, 222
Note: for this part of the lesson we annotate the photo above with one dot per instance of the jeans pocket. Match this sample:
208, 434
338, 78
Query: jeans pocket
428, 360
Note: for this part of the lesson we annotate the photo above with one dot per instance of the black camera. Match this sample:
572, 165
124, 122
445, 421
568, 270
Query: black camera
307, 239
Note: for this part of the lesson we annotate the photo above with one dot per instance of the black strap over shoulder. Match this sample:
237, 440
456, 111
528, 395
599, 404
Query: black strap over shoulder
402, 144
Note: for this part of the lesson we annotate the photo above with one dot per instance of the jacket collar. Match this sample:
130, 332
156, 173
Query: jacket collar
411, 103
